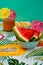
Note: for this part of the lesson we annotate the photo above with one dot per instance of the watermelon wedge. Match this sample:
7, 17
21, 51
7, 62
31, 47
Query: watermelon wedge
23, 34
36, 36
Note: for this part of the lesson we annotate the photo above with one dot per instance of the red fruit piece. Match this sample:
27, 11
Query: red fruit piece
36, 34
24, 33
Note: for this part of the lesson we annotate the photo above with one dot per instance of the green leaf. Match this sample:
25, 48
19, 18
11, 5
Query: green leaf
41, 64
37, 52
13, 62
35, 63
40, 58
22, 63
1, 63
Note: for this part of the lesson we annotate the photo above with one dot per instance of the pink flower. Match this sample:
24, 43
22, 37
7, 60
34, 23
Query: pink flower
12, 15
37, 25
41, 27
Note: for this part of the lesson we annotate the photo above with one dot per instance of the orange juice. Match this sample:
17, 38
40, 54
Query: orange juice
8, 24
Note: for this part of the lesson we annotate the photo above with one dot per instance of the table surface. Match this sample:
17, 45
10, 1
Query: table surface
9, 36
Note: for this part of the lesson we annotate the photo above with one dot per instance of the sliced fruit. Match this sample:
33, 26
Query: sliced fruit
23, 34
36, 36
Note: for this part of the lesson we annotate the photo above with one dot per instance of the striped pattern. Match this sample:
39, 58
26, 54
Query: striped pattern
5, 41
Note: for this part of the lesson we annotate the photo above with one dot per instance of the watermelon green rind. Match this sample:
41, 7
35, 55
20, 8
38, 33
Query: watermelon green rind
41, 37
19, 36
33, 39
36, 37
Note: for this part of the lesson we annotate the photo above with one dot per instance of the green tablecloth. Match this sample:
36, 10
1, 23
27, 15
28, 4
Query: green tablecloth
9, 37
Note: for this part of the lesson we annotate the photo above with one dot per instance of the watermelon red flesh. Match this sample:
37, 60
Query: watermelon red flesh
36, 34
25, 32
